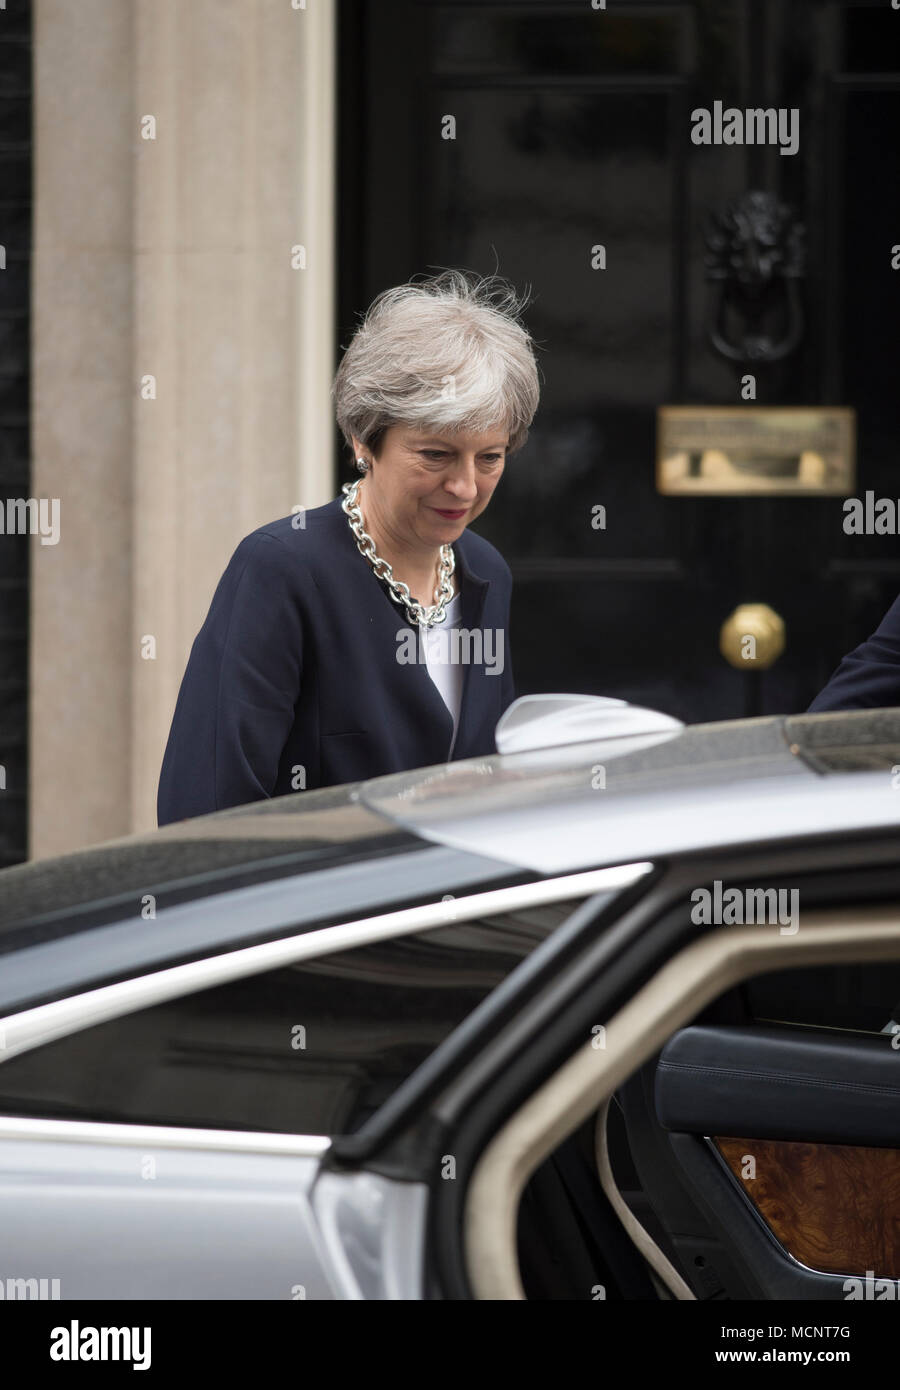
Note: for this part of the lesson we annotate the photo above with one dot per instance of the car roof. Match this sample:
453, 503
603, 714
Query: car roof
558, 809
333, 856
601, 802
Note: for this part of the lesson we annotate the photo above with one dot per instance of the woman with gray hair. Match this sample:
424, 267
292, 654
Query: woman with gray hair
370, 635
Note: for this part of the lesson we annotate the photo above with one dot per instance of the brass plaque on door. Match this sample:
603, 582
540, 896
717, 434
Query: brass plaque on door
751, 451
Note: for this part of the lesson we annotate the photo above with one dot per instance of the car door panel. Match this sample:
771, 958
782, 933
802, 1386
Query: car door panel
144, 1217
781, 1083
772, 1155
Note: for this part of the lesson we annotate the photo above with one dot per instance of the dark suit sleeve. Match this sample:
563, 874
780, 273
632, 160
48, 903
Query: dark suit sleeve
869, 676
508, 687
235, 707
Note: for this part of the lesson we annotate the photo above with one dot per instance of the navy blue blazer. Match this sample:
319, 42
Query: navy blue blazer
293, 681
869, 676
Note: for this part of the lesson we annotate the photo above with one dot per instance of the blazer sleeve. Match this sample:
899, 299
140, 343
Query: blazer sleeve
508, 686
869, 676
235, 707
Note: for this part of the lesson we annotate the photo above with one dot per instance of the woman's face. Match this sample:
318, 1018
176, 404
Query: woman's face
423, 489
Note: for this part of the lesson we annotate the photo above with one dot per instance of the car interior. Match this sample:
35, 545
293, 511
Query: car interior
754, 1151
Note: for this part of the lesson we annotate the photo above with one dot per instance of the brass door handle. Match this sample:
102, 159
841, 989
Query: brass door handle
753, 638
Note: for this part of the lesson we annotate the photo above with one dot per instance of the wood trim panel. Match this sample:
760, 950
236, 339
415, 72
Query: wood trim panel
834, 1207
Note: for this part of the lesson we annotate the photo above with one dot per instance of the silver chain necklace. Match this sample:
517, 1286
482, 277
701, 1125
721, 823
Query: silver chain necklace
398, 590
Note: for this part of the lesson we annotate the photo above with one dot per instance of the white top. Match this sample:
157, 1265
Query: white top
437, 645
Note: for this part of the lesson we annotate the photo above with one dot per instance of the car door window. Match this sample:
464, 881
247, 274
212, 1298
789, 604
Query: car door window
310, 1048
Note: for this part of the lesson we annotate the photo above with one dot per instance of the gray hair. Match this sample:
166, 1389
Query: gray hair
446, 354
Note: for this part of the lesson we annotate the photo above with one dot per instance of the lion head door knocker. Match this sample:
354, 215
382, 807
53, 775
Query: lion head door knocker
755, 258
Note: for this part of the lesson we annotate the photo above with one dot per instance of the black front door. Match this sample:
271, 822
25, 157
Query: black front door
574, 169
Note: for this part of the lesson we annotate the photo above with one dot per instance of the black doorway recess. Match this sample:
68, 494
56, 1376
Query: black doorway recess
15, 237
573, 129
